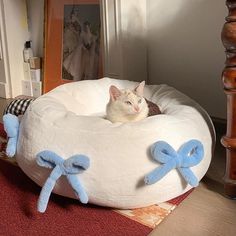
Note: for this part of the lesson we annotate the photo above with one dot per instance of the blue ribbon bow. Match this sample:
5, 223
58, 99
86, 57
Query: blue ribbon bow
11, 126
70, 167
188, 155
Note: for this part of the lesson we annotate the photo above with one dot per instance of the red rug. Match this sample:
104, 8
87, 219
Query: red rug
64, 216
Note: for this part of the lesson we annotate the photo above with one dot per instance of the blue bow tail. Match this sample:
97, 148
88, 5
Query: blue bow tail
189, 176
11, 126
11, 147
78, 188
157, 174
47, 189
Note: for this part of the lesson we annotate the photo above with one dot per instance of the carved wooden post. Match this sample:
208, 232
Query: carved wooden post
229, 82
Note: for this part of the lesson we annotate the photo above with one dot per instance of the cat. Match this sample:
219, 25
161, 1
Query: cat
126, 105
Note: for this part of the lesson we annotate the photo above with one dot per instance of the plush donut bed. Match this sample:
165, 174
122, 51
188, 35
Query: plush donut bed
70, 120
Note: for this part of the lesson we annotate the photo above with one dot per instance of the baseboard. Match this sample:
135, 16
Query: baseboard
3, 93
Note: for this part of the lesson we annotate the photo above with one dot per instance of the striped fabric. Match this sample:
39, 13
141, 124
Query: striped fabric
18, 106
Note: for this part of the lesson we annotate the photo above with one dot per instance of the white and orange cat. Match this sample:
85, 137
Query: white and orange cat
127, 105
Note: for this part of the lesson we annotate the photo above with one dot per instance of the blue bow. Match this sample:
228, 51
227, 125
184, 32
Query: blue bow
11, 126
188, 155
70, 167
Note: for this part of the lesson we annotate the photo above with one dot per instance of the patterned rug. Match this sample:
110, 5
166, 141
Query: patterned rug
153, 215
149, 217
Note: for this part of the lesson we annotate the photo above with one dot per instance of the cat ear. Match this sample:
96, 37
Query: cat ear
114, 92
139, 88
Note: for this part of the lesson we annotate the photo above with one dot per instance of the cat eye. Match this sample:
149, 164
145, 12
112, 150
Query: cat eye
128, 102
140, 100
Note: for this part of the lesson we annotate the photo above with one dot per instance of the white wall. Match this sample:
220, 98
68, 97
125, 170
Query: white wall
35, 10
185, 50
133, 33
2, 48
124, 37
14, 33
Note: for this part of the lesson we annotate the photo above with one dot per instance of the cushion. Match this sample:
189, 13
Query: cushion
69, 120
153, 108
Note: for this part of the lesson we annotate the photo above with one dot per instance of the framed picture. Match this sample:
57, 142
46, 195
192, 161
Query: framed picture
72, 42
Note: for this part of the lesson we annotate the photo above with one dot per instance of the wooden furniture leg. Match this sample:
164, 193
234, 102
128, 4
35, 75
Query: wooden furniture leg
229, 82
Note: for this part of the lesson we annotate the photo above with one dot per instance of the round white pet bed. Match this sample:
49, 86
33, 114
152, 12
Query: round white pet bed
70, 120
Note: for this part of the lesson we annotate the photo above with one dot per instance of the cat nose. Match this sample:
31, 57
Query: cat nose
136, 109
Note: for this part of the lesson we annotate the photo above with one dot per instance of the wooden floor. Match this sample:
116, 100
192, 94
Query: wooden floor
206, 211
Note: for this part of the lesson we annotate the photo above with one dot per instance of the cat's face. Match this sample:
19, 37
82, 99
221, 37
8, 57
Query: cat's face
127, 101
